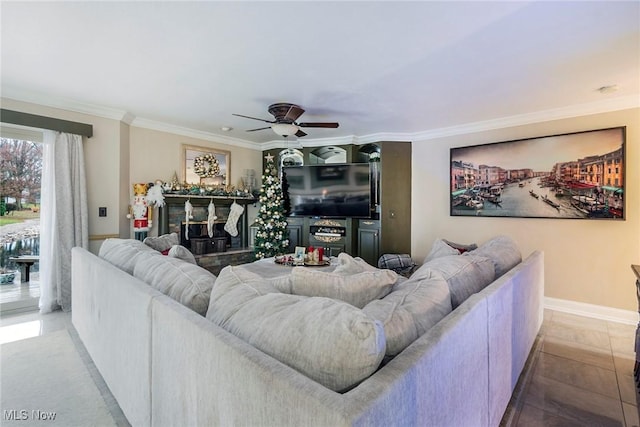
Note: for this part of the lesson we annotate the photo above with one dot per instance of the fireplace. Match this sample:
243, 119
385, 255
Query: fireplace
172, 218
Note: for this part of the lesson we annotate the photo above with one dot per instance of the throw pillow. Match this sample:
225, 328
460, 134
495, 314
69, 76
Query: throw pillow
411, 309
350, 265
465, 275
329, 341
356, 289
503, 251
440, 249
162, 243
235, 285
180, 252
400, 263
461, 247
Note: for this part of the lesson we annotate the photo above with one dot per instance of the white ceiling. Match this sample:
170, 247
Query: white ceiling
389, 69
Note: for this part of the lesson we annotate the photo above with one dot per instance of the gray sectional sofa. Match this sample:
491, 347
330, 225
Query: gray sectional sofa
266, 345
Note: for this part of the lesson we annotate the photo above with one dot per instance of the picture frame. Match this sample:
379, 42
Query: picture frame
579, 175
298, 255
205, 166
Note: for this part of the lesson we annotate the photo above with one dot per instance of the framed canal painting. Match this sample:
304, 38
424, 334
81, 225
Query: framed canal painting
575, 175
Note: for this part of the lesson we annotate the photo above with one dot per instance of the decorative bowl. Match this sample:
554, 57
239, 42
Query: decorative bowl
6, 278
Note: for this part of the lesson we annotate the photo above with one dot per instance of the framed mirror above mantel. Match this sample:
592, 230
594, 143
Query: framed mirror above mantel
205, 166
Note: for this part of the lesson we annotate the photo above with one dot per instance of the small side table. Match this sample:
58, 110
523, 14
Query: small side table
25, 262
636, 368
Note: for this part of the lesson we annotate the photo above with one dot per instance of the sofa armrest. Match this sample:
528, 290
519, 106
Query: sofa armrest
111, 310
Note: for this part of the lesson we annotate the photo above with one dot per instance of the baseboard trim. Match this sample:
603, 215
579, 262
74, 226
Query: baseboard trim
591, 310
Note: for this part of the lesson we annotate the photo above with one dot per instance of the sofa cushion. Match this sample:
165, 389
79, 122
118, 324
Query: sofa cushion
503, 251
411, 309
329, 341
180, 252
186, 283
162, 243
350, 265
440, 249
235, 285
465, 275
357, 289
124, 253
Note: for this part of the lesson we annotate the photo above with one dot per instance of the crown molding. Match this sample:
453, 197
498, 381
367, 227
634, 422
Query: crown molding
193, 133
598, 107
128, 118
341, 140
64, 104
585, 109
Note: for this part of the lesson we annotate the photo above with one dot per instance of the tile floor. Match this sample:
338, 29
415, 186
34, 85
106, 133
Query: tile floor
18, 296
580, 372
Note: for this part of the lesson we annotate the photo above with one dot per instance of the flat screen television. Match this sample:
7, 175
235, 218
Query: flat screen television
328, 191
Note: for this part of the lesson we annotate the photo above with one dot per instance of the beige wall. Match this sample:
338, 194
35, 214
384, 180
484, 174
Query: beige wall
118, 155
124, 224
585, 260
103, 165
157, 155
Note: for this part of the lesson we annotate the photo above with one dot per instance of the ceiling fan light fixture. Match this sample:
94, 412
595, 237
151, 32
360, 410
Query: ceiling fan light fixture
285, 129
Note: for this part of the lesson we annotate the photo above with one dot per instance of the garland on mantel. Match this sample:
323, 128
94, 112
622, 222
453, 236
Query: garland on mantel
174, 187
196, 190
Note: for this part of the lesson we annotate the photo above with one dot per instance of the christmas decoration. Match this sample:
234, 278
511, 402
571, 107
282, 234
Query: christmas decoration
188, 214
211, 218
272, 236
154, 198
155, 194
139, 211
175, 184
232, 221
206, 166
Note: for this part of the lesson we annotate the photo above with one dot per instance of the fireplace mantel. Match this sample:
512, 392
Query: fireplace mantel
171, 217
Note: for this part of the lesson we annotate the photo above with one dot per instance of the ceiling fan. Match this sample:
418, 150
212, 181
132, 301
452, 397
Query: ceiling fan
285, 124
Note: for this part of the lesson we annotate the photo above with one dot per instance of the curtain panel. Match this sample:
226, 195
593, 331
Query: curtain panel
65, 222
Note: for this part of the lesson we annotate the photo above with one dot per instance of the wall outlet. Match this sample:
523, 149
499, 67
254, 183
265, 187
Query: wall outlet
102, 211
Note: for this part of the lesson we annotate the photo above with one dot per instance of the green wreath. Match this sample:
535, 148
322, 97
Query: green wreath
206, 166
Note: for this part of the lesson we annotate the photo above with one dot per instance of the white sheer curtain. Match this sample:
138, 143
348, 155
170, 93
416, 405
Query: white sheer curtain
64, 218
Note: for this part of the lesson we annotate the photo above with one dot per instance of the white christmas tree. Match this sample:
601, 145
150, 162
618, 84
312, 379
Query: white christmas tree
272, 236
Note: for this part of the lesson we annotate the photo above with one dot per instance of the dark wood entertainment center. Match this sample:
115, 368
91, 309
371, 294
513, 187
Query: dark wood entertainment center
389, 228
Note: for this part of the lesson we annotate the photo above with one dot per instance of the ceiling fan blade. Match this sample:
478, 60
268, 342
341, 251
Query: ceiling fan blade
253, 130
318, 125
300, 134
293, 113
253, 118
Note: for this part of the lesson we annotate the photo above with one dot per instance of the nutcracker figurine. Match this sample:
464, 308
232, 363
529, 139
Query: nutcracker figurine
140, 212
